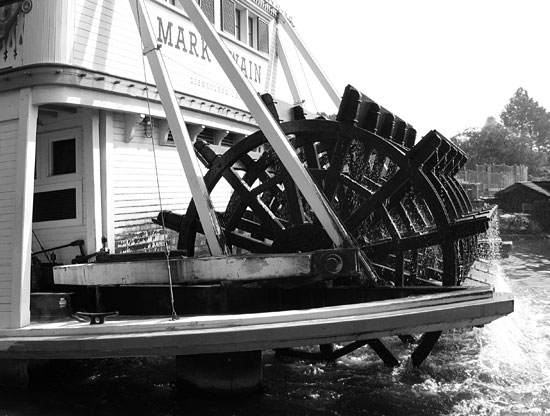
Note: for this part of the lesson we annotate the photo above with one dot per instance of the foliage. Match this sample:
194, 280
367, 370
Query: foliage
528, 120
523, 137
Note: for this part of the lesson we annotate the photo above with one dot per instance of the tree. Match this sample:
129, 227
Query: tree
490, 144
523, 137
528, 120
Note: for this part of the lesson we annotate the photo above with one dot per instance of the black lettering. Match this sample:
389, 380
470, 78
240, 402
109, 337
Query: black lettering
193, 44
243, 66
257, 73
205, 51
165, 36
181, 39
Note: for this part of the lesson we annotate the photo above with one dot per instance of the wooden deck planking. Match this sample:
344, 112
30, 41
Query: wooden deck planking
246, 332
150, 324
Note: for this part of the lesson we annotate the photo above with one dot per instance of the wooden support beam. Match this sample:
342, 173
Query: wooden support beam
384, 352
193, 270
92, 180
106, 146
24, 196
276, 138
289, 75
201, 197
425, 346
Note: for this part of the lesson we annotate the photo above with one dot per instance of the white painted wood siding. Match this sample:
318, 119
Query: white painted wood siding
9, 125
106, 39
8, 157
135, 192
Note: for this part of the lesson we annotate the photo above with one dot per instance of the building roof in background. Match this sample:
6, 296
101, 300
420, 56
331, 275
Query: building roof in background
541, 187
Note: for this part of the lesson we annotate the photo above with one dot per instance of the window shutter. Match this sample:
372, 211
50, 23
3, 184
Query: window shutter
228, 16
263, 36
207, 7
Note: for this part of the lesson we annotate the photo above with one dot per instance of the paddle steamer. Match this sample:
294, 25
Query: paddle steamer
135, 144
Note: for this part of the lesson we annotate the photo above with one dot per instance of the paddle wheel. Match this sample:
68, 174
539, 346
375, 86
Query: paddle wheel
400, 201
361, 182
410, 220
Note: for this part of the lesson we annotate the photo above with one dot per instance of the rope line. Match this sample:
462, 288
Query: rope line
306, 79
150, 135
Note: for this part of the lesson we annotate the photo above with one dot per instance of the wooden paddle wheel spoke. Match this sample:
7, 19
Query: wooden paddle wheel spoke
405, 243
267, 218
311, 156
295, 205
364, 190
268, 184
250, 244
337, 163
375, 200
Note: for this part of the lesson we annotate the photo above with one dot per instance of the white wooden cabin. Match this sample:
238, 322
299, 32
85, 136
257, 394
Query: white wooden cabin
76, 159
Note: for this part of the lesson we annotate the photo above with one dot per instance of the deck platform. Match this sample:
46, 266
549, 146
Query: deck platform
161, 336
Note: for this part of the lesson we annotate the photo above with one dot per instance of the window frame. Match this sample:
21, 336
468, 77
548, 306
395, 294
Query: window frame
250, 31
45, 181
247, 30
239, 23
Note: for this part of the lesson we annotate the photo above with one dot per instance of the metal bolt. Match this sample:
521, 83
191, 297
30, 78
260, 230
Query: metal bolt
333, 263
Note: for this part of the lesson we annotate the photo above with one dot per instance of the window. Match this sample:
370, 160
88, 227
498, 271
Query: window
63, 157
238, 24
250, 28
54, 205
244, 25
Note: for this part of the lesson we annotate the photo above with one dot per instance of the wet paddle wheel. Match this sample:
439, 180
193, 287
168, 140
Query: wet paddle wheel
411, 222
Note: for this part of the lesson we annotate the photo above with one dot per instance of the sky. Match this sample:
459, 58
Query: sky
437, 64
